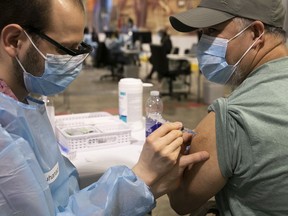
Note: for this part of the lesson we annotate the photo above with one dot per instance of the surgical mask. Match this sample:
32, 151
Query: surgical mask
211, 56
59, 72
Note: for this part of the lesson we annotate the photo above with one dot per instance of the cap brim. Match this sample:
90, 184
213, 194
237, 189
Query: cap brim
198, 18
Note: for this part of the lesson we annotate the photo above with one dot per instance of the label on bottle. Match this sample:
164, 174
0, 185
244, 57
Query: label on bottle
151, 125
123, 108
130, 107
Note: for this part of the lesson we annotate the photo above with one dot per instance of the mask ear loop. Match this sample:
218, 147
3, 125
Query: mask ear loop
35, 45
239, 33
17, 59
249, 49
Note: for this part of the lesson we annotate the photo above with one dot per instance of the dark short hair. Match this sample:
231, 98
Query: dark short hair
130, 20
28, 13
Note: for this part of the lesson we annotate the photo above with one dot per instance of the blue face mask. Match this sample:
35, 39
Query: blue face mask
59, 72
211, 55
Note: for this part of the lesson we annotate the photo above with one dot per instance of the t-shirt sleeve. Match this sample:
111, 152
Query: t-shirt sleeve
231, 139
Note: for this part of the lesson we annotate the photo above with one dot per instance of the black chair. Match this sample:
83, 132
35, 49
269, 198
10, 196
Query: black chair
171, 72
175, 50
106, 59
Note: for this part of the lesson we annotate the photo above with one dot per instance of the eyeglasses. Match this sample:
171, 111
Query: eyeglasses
84, 48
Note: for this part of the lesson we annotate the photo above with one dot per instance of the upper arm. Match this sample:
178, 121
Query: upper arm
203, 180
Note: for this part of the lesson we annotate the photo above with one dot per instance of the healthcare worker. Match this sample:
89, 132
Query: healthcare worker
41, 53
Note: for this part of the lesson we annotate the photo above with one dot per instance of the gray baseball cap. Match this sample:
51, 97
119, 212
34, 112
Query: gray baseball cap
213, 12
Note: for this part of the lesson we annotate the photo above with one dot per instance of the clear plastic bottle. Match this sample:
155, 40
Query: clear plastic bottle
154, 109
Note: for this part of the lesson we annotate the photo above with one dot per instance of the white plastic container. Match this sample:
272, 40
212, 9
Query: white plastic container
86, 131
131, 102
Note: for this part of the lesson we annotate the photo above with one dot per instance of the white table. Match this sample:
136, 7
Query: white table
130, 51
192, 60
92, 164
181, 57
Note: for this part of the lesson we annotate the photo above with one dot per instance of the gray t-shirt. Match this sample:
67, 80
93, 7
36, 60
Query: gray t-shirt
252, 143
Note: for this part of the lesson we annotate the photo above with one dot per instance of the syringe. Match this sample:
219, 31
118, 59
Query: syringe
187, 130
183, 129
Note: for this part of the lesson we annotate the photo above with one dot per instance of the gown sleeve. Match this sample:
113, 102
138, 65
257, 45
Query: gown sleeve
25, 191
117, 192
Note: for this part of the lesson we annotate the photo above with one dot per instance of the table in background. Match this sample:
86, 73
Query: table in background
194, 62
132, 54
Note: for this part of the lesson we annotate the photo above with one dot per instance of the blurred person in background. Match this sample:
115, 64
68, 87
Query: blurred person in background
166, 42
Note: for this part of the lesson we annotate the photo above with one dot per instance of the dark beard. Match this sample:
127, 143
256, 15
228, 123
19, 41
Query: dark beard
32, 63
237, 78
18, 73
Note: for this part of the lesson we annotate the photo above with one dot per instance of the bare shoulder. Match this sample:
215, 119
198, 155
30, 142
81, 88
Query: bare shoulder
206, 133
205, 179
202, 180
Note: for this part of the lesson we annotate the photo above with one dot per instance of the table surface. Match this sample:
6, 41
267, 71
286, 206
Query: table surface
130, 51
182, 57
193, 61
92, 164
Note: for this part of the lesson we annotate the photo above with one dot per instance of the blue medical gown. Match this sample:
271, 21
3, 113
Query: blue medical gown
36, 180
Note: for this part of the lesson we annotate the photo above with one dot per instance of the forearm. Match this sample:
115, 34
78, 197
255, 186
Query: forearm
197, 187
184, 203
156, 188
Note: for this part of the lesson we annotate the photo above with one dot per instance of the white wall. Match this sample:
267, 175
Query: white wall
183, 42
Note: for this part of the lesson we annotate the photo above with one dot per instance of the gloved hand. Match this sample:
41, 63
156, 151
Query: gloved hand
161, 157
159, 153
172, 179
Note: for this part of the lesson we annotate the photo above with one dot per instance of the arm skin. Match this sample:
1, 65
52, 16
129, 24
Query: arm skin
205, 179
161, 163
